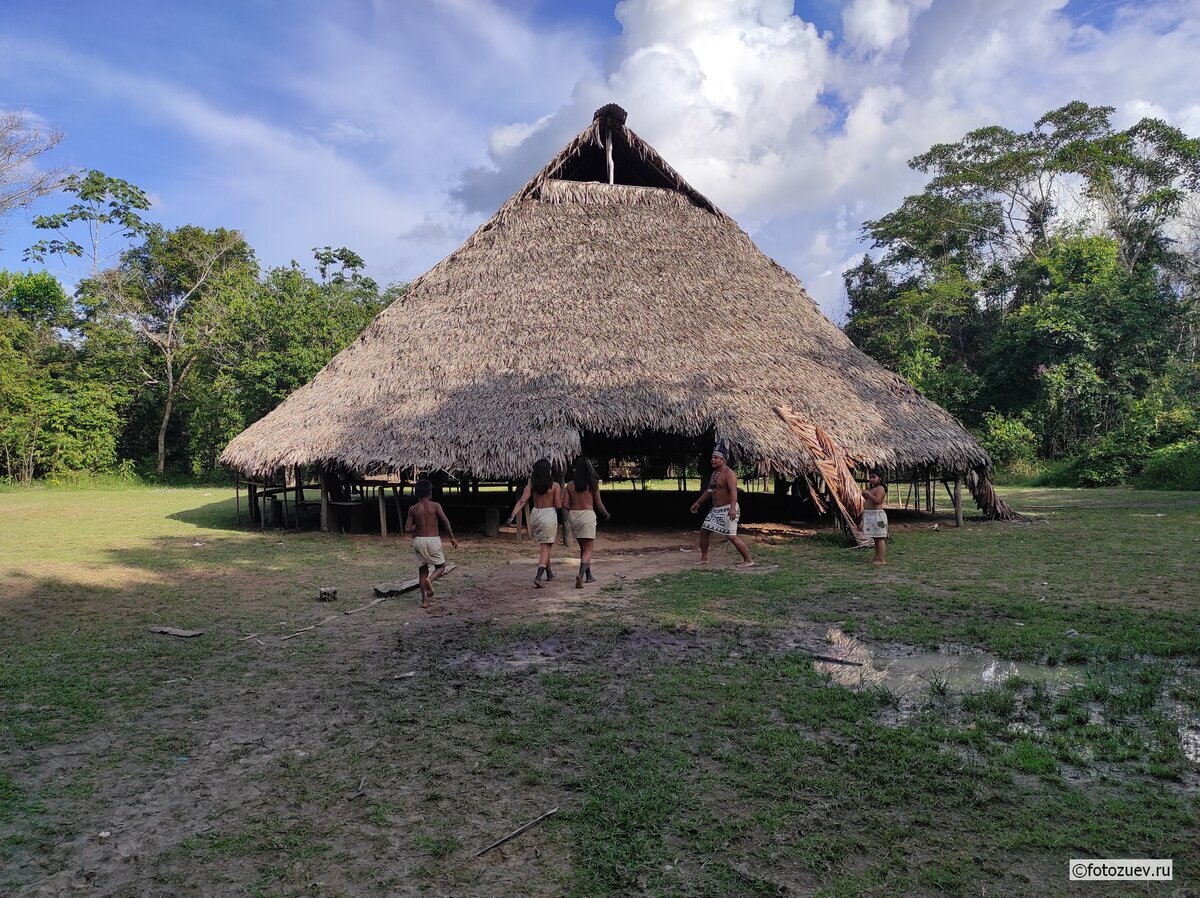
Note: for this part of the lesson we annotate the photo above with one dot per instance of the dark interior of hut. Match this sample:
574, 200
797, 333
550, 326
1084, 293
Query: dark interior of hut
628, 169
648, 479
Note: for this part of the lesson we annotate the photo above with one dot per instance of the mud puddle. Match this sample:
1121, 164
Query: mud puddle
913, 676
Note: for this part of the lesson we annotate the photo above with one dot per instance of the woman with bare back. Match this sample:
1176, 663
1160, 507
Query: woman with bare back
582, 500
543, 519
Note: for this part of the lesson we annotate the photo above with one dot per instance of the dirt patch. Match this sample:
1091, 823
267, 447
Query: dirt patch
501, 589
284, 754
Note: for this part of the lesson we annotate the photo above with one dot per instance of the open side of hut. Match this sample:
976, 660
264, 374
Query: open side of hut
607, 307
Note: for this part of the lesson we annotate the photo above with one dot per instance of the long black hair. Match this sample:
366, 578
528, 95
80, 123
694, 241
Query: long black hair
585, 475
543, 476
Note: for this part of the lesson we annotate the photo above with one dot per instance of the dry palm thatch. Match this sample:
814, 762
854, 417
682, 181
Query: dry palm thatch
834, 467
993, 507
586, 309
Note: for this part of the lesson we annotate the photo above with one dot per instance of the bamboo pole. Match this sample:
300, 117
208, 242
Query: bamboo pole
958, 512
382, 512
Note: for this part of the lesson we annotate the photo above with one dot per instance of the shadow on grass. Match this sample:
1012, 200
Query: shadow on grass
216, 516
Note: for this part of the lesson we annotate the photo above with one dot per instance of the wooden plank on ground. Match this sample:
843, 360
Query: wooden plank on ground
383, 590
175, 631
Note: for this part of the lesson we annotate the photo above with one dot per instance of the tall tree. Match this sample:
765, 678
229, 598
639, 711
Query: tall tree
1052, 271
106, 208
173, 292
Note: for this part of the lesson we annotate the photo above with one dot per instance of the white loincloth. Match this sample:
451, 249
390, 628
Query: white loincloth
544, 524
428, 550
582, 522
875, 523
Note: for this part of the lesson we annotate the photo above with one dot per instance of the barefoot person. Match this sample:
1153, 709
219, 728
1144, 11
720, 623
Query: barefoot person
723, 516
874, 521
543, 520
424, 519
582, 500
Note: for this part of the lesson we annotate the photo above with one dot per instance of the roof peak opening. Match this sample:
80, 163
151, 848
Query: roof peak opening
612, 156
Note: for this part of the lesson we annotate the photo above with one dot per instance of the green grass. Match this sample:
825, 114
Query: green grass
726, 767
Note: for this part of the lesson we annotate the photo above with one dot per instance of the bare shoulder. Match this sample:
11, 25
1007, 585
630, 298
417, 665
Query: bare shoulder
730, 477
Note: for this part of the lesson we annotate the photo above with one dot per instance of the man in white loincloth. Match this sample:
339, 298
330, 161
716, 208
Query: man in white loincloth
722, 518
874, 519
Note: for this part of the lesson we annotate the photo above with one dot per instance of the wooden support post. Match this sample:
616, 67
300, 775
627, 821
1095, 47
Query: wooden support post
324, 500
237, 499
928, 493
958, 513
399, 510
382, 511
283, 496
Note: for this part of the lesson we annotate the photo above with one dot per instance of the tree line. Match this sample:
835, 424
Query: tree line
1045, 287
172, 341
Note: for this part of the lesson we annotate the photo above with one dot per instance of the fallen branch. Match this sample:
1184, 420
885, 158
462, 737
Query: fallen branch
251, 636
831, 660
175, 631
365, 607
297, 633
517, 832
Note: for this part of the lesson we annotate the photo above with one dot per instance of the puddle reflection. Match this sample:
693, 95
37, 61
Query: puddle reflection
910, 676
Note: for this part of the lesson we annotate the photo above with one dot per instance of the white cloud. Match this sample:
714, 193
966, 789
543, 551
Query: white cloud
397, 136
878, 24
801, 138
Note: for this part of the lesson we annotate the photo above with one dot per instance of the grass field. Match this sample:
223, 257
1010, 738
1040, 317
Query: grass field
690, 747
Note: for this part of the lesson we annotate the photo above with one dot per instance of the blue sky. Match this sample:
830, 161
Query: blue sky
395, 128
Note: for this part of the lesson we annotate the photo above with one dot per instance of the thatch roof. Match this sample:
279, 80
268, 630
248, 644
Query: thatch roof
584, 307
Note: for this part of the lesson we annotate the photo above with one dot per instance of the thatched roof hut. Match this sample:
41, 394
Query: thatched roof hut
607, 306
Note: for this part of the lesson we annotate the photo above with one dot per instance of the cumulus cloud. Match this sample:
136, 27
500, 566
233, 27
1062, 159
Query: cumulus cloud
802, 135
878, 24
